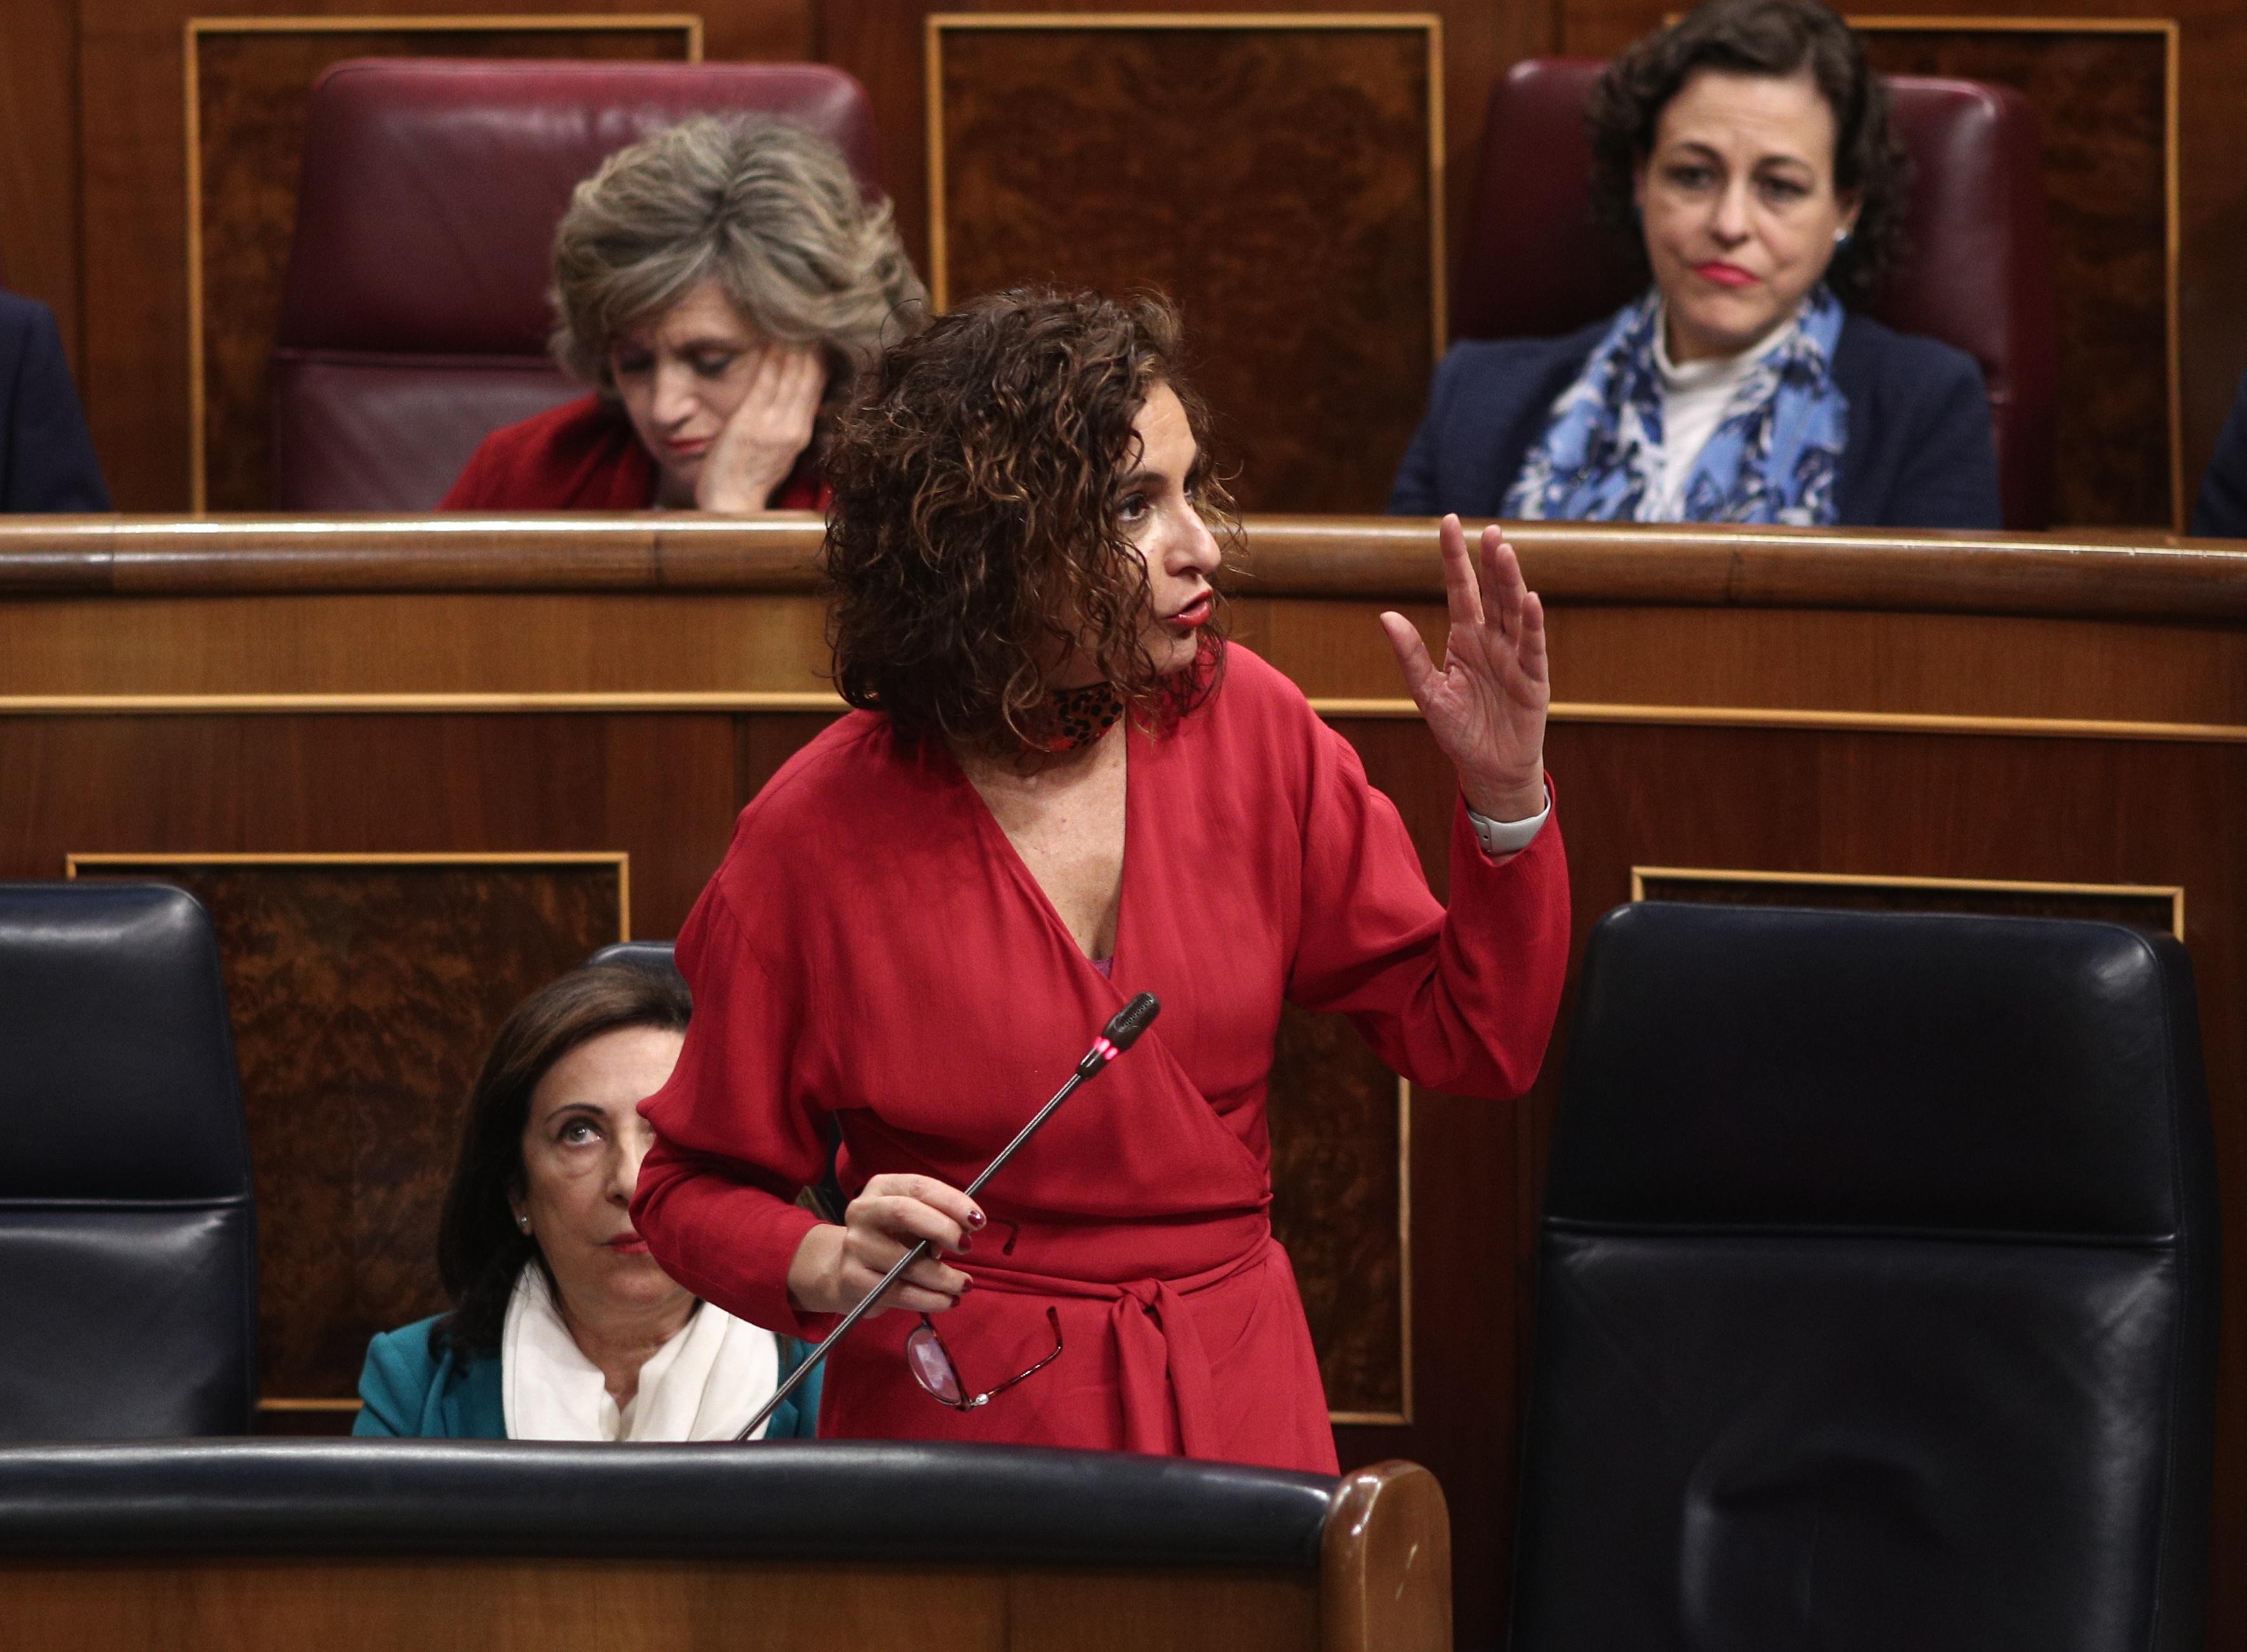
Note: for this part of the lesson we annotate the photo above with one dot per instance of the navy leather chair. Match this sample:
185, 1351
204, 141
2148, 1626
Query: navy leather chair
1877, 1293
639, 954
128, 1258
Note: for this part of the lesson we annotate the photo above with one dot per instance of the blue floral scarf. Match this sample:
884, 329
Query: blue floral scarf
1774, 458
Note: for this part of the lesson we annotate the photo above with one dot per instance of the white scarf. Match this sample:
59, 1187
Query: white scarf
702, 1384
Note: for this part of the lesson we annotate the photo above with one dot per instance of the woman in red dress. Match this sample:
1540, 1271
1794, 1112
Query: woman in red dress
720, 285
1061, 788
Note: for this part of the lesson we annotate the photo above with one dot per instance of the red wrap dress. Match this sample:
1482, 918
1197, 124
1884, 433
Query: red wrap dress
873, 949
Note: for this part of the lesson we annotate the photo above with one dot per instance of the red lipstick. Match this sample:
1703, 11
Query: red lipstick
1196, 613
629, 1245
1723, 274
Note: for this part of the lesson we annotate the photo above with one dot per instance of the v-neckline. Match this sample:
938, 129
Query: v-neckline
1028, 879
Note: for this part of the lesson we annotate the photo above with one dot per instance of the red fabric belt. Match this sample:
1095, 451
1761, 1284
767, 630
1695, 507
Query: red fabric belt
1164, 1369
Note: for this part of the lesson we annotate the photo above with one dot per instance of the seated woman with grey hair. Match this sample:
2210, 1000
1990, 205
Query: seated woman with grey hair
721, 286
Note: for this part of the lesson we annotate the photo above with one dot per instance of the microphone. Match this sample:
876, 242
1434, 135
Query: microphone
1122, 1032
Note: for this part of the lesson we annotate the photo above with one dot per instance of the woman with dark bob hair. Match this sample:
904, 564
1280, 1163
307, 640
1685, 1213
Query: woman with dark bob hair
1748, 150
1061, 788
563, 1326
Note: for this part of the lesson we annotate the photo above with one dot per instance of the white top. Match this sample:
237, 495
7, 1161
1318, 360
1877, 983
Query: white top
1695, 399
703, 1384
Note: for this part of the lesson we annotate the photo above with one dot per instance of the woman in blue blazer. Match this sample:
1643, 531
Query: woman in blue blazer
1753, 147
562, 1327
46, 459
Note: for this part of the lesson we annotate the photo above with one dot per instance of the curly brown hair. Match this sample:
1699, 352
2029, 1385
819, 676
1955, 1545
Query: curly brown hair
972, 543
1779, 38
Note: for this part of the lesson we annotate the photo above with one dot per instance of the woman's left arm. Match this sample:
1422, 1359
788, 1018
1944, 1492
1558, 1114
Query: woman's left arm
1460, 999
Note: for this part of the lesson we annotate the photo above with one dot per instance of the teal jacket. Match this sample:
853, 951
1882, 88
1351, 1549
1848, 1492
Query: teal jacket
407, 1391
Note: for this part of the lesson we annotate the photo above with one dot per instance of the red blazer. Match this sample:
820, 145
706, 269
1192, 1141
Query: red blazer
583, 455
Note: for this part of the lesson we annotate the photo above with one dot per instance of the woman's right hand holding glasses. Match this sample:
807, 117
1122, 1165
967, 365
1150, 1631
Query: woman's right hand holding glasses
836, 1265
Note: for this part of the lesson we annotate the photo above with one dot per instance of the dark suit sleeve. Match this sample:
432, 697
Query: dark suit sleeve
1947, 476
2220, 511
1416, 492
50, 463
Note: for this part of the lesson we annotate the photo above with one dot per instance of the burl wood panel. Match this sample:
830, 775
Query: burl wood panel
2102, 101
1301, 259
251, 93
364, 996
1336, 1120
880, 41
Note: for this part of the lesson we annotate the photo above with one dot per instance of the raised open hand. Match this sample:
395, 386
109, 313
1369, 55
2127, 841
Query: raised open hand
1486, 705
767, 433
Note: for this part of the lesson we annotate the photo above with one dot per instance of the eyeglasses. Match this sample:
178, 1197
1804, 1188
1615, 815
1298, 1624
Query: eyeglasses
935, 1370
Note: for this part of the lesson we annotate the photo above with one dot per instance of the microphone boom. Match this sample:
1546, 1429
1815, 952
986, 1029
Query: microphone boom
1122, 1032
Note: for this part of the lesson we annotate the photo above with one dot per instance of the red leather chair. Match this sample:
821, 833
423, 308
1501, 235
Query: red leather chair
414, 318
1978, 273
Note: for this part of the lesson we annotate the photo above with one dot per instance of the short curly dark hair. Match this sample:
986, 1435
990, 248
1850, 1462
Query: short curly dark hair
973, 542
1762, 37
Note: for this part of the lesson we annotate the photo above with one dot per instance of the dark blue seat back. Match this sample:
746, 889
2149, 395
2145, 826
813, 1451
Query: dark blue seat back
128, 1264
1877, 1292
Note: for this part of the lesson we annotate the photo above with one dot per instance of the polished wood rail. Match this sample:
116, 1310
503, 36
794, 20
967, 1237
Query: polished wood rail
2145, 576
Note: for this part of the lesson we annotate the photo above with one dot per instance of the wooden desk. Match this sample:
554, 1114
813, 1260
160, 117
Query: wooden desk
2009, 724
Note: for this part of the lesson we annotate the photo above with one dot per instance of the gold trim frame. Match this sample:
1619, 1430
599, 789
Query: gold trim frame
2173, 893
2172, 220
1402, 1416
939, 23
621, 859
755, 701
687, 24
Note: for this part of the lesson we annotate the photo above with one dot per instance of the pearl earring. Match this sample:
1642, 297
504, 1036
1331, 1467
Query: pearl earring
1840, 237
523, 1222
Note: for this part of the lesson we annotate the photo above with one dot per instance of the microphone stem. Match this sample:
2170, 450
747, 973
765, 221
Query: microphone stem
811, 1361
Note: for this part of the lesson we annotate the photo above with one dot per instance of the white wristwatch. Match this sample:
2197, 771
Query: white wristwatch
1507, 836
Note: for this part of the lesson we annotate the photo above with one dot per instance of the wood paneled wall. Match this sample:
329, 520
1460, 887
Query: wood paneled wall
248, 94
94, 213
2061, 714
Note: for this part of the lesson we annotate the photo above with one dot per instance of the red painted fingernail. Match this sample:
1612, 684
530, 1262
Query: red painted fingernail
975, 1218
